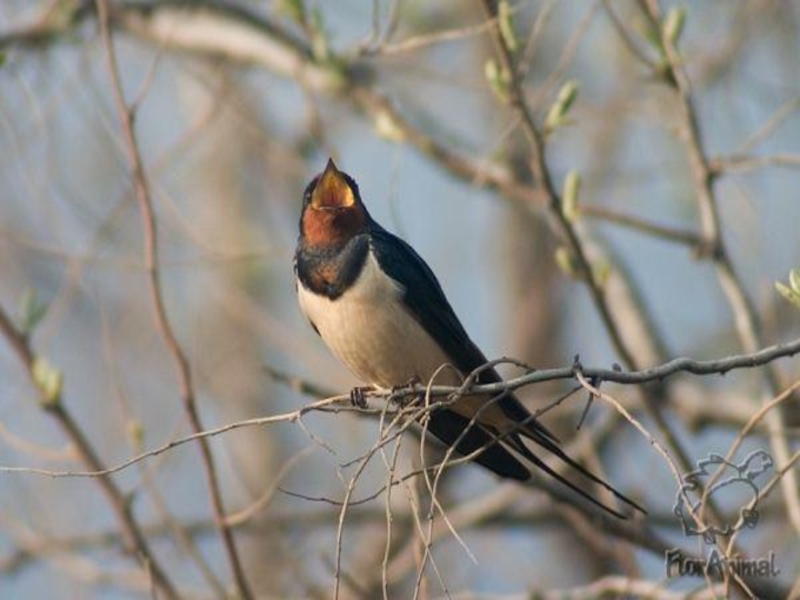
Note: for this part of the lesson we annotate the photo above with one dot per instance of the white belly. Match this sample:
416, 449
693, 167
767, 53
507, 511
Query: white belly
371, 332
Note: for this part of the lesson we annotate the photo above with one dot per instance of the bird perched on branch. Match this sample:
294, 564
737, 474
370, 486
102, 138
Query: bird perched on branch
380, 309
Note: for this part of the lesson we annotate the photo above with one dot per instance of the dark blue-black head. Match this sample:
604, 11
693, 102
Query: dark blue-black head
332, 209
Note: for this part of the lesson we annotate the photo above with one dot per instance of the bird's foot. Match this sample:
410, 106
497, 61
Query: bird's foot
408, 397
357, 398
413, 381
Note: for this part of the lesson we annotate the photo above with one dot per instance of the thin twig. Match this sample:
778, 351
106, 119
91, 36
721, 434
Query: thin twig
537, 29
742, 163
759, 416
695, 514
542, 177
770, 126
147, 472
342, 402
181, 363
346, 503
567, 55
426, 40
298, 384
615, 586
134, 541
245, 514
746, 321
627, 38
672, 234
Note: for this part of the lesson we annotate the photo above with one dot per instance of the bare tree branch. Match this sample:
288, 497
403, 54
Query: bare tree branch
743, 311
134, 540
126, 118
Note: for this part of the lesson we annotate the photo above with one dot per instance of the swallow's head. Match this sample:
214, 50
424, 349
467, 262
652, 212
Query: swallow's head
332, 209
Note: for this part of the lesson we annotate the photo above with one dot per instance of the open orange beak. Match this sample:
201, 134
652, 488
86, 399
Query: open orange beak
332, 190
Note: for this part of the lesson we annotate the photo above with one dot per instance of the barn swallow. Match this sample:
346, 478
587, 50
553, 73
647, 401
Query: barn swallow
380, 309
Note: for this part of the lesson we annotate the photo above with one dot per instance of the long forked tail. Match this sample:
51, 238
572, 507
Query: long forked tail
451, 428
547, 442
495, 453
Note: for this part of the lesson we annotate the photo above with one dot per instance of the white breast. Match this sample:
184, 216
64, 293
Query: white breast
369, 329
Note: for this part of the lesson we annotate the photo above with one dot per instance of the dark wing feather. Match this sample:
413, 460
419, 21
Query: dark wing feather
426, 301
424, 298
450, 427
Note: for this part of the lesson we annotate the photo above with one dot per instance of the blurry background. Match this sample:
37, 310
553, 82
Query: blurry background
237, 106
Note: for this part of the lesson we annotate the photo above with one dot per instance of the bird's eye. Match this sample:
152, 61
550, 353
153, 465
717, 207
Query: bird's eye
309, 190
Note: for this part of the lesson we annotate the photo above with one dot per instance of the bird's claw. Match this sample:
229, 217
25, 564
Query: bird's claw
415, 380
411, 383
357, 398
